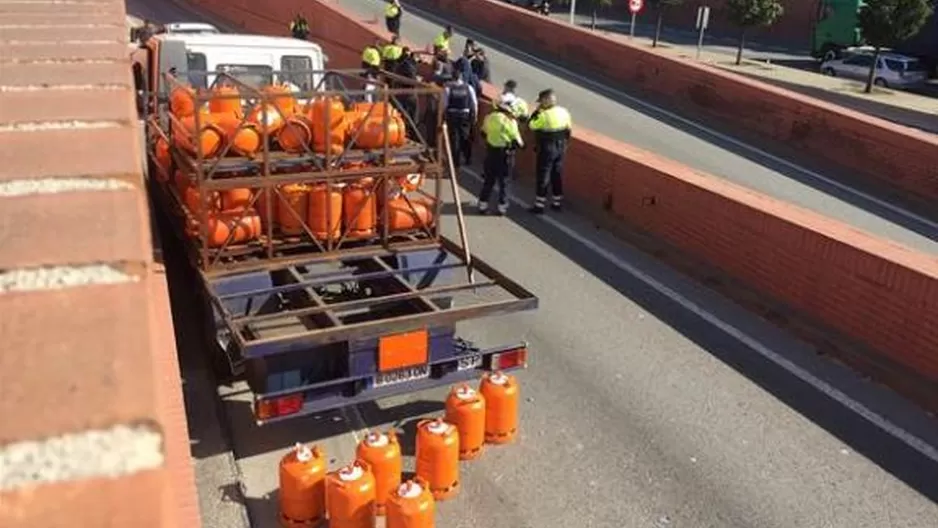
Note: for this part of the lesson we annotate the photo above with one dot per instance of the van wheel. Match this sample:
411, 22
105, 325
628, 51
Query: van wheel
829, 72
881, 82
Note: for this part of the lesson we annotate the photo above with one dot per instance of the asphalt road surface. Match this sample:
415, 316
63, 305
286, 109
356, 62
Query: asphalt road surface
649, 402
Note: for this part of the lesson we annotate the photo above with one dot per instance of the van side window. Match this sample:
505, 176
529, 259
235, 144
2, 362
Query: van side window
197, 67
297, 70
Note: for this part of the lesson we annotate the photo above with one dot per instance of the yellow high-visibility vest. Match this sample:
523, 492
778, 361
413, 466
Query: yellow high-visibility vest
553, 119
500, 130
392, 11
392, 52
371, 56
441, 42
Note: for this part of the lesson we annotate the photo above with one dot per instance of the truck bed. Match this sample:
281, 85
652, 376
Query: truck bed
278, 310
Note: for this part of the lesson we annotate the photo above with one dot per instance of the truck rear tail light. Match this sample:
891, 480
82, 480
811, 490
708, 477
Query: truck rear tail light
516, 358
276, 407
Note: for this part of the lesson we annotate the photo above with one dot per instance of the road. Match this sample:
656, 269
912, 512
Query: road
649, 402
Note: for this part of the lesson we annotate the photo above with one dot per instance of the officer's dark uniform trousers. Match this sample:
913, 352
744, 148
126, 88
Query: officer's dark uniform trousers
551, 146
498, 169
459, 122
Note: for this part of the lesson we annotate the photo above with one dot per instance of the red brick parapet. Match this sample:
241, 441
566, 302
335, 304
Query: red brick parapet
92, 424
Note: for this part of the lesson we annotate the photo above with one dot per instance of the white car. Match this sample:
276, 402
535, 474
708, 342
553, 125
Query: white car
892, 70
190, 28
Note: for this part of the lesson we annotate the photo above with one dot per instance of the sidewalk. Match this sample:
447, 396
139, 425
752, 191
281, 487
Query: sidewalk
787, 70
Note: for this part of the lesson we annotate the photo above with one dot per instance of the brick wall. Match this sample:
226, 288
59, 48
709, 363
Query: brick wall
882, 294
93, 431
901, 157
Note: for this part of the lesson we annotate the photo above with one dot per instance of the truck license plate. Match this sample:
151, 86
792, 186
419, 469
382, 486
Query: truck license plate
401, 376
469, 362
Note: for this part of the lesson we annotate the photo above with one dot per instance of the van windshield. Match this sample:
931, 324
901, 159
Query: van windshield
296, 70
252, 75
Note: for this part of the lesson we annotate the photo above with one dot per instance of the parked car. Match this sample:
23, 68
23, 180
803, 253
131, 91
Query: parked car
892, 70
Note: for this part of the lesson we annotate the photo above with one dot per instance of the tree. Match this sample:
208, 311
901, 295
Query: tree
660, 7
885, 23
748, 14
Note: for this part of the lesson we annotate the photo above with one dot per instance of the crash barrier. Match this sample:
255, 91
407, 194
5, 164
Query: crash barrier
372, 486
901, 157
882, 295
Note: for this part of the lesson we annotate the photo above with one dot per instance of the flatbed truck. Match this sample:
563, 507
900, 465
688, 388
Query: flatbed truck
313, 322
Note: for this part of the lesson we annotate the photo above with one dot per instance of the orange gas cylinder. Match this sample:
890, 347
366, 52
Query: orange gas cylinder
225, 100
261, 206
329, 124
373, 110
438, 457
360, 208
383, 453
501, 394
236, 199
465, 408
296, 197
303, 487
244, 137
295, 135
371, 135
209, 137
325, 211
182, 101
403, 217
221, 225
282, 97
193, 200
272, 122
163, 159
411, 505
350, 496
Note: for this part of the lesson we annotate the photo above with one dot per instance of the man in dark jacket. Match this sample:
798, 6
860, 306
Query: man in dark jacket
407, 67
461, 108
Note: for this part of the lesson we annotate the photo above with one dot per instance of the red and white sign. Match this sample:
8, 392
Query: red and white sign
636, 5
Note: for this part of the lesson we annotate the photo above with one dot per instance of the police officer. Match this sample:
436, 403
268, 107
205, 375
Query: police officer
371, 57
551, 125
441, 42
519, 108
461, 106
406, 67
392, 16
502, 140
299, 27
392, 52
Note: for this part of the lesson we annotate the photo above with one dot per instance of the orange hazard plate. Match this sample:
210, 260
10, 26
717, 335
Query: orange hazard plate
403, 350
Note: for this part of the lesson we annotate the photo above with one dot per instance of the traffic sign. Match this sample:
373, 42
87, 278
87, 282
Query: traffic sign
636, 5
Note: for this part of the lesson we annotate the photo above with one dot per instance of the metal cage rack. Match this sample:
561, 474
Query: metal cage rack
268, 171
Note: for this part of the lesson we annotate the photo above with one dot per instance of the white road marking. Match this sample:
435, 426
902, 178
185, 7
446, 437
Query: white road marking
671, 115
822, 386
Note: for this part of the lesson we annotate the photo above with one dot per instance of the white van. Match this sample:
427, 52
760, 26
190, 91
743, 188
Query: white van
253, 59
